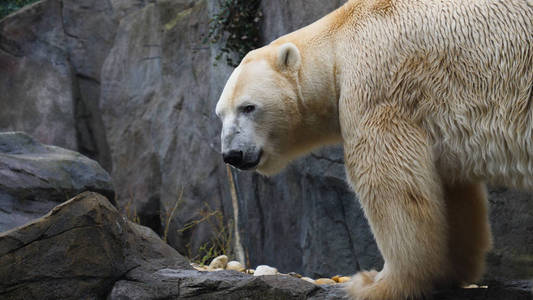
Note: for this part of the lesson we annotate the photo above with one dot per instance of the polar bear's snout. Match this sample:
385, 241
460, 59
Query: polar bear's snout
241, 144
242, 160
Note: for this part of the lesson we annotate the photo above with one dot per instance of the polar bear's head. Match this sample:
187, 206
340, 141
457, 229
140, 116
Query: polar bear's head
259, 110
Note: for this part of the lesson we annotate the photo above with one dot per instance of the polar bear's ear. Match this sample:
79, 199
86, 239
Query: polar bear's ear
288, 57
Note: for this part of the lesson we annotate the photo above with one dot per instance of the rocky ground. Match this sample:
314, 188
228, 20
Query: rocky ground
84, 249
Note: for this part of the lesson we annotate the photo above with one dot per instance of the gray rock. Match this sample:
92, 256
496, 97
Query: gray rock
158, 113
191, 284
36, 76
89, 27
230, 285
511, 215
35, 177
180, 284
78, 250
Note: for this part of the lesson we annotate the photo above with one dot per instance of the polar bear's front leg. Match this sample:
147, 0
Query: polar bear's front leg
390, 165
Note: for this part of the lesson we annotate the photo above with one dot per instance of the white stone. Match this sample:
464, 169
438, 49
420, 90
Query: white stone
308, 279
235, 265
219, 262
265, 270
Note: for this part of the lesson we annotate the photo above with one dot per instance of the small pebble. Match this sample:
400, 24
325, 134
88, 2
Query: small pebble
249, 271
344, 279
336, 278
265, 270
308, 279
198, 267
475, 286
235, 265
294, 274
219, 262
325, 281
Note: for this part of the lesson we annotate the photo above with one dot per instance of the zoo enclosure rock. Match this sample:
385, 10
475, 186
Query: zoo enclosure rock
35, 75
35, 177
77, 251
84, 249
158, 113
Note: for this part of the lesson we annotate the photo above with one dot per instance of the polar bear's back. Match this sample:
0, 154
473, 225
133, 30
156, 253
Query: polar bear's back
463, 69
484, 114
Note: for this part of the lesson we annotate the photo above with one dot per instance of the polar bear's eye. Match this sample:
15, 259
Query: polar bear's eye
248, 109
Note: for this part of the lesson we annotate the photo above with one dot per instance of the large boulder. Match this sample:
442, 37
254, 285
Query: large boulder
35, 177
77, 251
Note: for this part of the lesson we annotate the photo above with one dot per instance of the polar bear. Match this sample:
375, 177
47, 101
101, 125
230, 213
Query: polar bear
430, 99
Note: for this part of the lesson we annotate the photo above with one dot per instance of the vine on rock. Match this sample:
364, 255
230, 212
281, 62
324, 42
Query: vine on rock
236, 26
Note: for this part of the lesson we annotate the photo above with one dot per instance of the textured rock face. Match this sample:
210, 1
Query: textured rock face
36, 80
78, 250
35, 177
184, 284
511, 215
159, 118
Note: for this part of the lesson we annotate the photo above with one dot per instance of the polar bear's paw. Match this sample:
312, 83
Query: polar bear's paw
373, 285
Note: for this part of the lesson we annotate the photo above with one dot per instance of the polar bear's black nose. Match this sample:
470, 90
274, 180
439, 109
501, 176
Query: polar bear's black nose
233, 157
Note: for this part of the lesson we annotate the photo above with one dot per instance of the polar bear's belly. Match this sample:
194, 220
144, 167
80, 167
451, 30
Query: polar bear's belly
494, 144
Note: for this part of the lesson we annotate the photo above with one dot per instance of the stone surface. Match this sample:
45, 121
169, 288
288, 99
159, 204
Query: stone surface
35, 177
179, 284
219, 262
78, 250
235, 266
511, 215
158, 113
90, 27
265, 270
35, 75
322, 281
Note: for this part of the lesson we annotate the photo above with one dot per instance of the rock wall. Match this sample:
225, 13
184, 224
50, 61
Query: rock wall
130, 83
36, 80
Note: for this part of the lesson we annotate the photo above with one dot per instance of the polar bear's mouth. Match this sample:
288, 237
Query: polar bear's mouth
252, 164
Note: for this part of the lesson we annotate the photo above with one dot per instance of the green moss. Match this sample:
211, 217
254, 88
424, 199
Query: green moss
175, 20
236, 27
